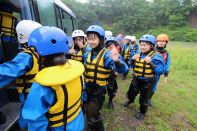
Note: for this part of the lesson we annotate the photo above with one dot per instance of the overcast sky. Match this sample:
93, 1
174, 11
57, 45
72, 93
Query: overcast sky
83, 1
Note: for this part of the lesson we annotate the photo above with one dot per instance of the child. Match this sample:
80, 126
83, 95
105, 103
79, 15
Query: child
135, 45
112, 86
120, 46
79, 46
23, 67
146, 65
54, 101
128, 52
161, 44
99, 62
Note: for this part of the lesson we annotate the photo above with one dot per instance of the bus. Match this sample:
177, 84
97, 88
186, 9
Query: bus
48, 13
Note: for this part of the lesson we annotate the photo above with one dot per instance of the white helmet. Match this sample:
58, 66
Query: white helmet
77, 33
133, 38
108, 34
24, 29
128, 37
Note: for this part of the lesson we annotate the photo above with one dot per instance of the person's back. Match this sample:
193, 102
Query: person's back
58, 86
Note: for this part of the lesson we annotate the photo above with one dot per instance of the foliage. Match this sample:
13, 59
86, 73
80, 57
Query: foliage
133, 16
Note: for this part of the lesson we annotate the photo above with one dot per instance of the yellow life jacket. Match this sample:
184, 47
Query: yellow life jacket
79, 55
127, 53
122, 50
67, 83
24, 82
134, 48
7, 23
143, 69
95, 72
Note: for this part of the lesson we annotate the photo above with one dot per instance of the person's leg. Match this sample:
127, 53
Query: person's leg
125, 75
94, 105
112, 90
145, 90
154, 88
132, 92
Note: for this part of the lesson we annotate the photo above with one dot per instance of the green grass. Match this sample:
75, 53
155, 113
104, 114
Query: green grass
175, 103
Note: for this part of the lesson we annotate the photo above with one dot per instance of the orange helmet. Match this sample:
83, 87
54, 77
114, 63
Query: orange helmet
163, 37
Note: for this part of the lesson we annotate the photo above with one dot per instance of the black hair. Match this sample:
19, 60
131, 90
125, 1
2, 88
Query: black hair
80, 37
101, 39
54, 60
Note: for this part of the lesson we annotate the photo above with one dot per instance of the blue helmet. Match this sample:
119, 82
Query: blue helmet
111, 39
118, 38
96, 29
48, 40
148, 38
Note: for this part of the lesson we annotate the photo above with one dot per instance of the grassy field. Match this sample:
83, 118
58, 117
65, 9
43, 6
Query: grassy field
175, 103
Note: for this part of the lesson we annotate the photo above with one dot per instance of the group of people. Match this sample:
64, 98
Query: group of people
63, 88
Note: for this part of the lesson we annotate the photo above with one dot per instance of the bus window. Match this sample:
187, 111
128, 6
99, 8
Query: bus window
46, 12
32, 10
74, 23
67, 23
58, 17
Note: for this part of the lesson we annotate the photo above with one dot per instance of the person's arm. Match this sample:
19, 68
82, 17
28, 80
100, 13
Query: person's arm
36, 106
15, 68
133, 59
118, 66
157, 64
167, 69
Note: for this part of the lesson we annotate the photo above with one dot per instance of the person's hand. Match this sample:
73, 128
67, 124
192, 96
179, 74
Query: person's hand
136, 57
113, 52
80, 44
72, 51
166, 79
147, 59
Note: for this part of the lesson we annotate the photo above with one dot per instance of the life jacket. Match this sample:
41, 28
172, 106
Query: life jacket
7, 23
143, 69
95, 72
135, 48
67, 83
24, 82
121, 49
127, 54
79, 55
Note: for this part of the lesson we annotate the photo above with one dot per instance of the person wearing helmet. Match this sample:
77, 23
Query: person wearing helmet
120, 46
162, 41
79, 46
135, 45
112, 87
161, 44
57, 88
99, 62
127, 53
108, 34
145, 66
24, 66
